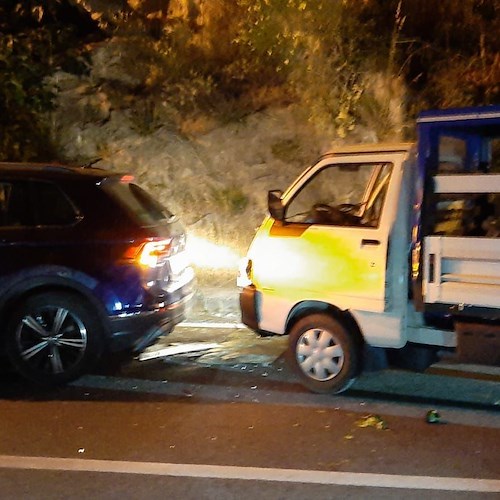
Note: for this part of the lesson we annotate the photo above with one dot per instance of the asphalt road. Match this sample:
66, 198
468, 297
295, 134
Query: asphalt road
233, 422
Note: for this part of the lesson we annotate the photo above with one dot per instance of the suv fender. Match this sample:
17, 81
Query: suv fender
50, 278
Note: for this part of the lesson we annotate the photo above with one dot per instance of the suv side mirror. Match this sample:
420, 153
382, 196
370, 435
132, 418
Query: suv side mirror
275, 205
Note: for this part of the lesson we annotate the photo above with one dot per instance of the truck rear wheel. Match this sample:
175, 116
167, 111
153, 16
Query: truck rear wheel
323, 353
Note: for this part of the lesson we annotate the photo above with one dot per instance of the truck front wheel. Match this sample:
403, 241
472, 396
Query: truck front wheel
323, 353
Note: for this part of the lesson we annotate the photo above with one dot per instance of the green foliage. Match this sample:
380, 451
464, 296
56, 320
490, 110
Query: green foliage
22, 97
222, 57
286, 150
446, 50
230, 199
303, 46
143, 114
228, 58
32, 44
375, 114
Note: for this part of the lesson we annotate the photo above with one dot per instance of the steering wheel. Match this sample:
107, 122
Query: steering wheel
341, 216
349, 207
324, 213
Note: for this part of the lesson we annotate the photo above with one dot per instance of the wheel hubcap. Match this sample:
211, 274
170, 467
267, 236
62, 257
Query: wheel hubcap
319, 354
52, 340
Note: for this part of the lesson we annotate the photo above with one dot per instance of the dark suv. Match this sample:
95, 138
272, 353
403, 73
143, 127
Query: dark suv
89, 264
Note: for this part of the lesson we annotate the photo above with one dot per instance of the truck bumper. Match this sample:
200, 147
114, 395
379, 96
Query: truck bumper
249, 298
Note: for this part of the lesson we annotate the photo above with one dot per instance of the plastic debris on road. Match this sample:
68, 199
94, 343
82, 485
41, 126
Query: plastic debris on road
433, 417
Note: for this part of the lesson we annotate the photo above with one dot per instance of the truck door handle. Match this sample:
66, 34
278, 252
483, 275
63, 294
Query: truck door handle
369, 242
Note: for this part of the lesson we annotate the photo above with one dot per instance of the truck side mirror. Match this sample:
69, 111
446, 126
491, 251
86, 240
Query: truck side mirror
275, 205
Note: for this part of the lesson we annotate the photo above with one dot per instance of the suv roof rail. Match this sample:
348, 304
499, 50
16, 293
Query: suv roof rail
54, 167
36, 166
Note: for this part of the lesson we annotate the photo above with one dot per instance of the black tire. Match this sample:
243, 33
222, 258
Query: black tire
53, 338
323, 353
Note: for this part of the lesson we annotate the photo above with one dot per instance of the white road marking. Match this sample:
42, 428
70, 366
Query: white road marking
252, 474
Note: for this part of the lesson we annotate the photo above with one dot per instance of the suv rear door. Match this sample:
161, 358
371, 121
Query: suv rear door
30, 211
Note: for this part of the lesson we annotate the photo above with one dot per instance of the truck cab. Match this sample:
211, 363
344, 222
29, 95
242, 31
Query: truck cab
388, 246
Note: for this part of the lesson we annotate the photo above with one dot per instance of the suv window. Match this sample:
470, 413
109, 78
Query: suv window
15, 204
52, 207
137, 202
30, 203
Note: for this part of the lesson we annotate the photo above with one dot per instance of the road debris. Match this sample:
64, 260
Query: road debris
174, 349
375, 421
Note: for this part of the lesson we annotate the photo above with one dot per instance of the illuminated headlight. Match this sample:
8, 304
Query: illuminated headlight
150, 253
244, 273
154, 252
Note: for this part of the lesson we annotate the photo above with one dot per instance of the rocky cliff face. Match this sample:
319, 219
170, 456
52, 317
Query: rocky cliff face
215, 176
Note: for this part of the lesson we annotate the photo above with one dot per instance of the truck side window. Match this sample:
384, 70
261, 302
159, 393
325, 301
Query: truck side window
343, 195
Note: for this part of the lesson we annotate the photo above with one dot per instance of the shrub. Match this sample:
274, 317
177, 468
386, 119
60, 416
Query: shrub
230, 199
36, 37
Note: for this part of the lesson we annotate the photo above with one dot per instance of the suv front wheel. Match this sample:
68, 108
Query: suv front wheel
53, 338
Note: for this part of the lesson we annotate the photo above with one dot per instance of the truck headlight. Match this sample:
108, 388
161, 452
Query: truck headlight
244, 273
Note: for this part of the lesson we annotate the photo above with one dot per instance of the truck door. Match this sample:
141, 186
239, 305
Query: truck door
332, 243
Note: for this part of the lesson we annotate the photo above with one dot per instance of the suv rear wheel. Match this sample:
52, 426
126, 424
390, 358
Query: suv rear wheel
324, 353
53, 338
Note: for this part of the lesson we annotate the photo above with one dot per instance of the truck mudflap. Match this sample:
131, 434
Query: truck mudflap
478, 343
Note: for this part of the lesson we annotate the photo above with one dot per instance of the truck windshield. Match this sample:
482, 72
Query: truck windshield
342, 194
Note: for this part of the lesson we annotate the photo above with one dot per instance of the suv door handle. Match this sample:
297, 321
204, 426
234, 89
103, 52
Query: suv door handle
369, 242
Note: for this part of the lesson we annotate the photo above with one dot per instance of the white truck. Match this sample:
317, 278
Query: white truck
386, 246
